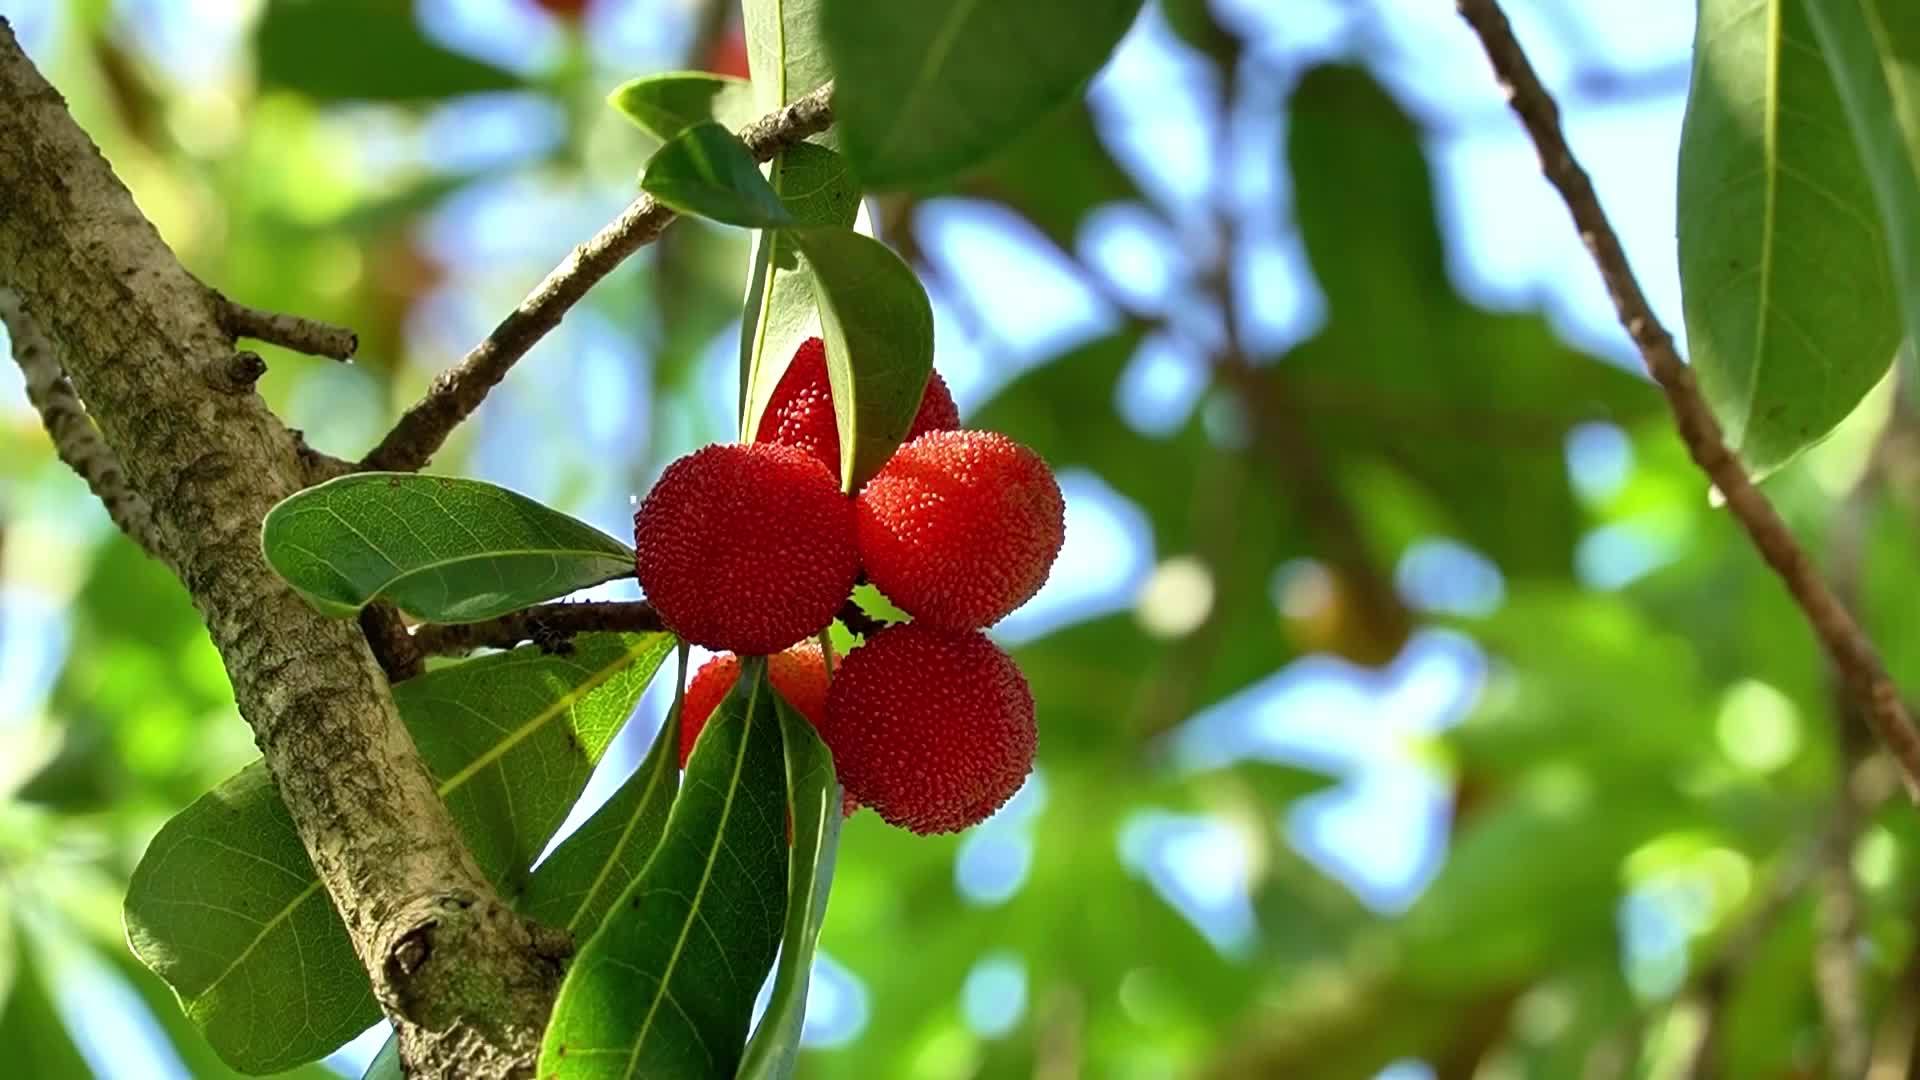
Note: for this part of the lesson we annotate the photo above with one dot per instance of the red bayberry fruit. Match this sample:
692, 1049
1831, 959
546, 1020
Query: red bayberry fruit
745, 548
961, 527
799, 674
800, 413
931, 728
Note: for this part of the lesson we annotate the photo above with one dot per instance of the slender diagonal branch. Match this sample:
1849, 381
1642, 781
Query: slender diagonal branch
552, 625
310, 336
1846, 644
459, 390
548, 624
75, 438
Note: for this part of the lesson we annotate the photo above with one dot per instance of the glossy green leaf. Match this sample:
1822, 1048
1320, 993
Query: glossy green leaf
202, 1062
363, 50
780, 306
667, 104
708, 172
667, 987
577, 885
784, 53
1790, 306
386, 1064
878, 326
225, 905
923, 91
813, 801
442, 549
1873, 50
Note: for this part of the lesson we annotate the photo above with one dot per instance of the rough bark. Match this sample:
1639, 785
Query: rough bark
468, 983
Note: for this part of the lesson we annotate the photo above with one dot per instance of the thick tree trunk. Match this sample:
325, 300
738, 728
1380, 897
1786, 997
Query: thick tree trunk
467, 981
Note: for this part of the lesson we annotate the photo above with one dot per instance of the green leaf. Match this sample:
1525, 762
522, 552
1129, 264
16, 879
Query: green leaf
31, 1030
577, 885
784, 53
667, 987
923, 91
813, 801
667, 104
386, 1064
225, 905
878, 327
818, 190
363, 50
1873, 50
442, 549
708, 172
1791, 310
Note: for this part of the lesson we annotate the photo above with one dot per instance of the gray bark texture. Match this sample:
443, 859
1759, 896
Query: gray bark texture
468, 982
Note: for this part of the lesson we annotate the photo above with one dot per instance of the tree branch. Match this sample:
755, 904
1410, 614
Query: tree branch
1846, 644
459, 390
468, 982
550, 625
300, 334
75, 439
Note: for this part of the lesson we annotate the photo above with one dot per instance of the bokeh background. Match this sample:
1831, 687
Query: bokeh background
1406, 707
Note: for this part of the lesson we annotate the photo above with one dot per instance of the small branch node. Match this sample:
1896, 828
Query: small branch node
310, 336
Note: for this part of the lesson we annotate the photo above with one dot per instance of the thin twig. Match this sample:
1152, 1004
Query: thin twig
310, 336
1846, 643
75, 439
549, 625
459, 390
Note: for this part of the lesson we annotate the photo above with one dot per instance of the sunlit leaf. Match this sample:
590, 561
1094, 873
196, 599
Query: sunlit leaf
813, 802
443, 549
708, 172
225, 905
1873, 50
780, 306
664, 105
878, 326
1792, 314
667, 987
923, 91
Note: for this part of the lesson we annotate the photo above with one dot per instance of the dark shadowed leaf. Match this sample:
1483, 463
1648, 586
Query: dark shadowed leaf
1791, 308
363, 50
707, 171
813, 801
923, 91
780, 307
1873, 50
443, 549
878, 327
666, 105
225, 906
667, 987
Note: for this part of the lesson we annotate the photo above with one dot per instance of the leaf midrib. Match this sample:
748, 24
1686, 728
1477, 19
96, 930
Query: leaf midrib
943, 43
706, 876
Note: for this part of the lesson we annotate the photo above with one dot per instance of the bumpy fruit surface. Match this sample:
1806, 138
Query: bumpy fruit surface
961, 527
799, 674
931, 728
800, 413
746, 548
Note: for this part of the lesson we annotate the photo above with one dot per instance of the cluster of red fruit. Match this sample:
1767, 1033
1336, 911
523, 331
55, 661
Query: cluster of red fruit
750, 548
